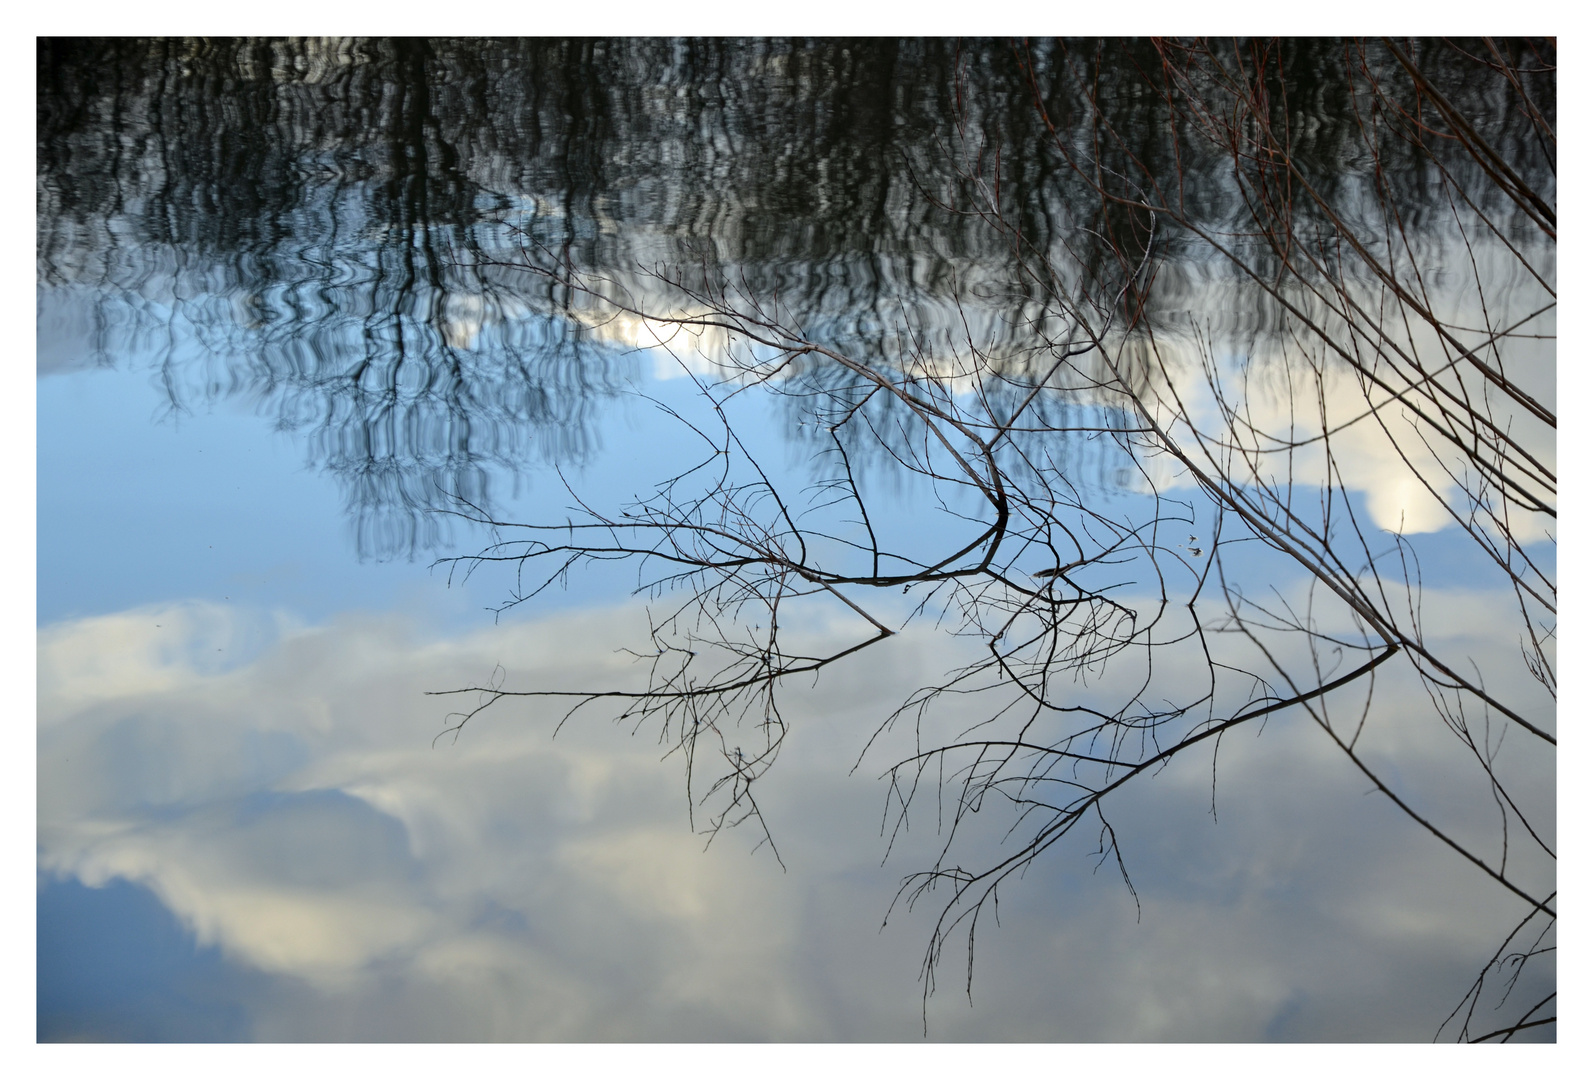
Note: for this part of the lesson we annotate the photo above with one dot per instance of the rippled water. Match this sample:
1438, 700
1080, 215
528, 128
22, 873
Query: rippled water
330, 231
357, 256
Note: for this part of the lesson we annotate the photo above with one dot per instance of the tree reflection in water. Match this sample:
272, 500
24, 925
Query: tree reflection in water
1292, 298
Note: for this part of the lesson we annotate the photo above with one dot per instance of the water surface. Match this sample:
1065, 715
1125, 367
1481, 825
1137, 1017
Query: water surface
305, 314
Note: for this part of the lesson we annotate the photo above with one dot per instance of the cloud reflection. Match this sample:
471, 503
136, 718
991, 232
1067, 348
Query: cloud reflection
290, 809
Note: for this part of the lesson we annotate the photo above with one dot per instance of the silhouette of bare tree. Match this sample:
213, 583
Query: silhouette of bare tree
1397, 381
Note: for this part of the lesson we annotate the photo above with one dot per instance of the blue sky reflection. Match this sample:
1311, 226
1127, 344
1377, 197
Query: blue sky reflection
248, 827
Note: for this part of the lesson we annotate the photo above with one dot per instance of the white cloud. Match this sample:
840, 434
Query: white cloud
1404, 469
292, 810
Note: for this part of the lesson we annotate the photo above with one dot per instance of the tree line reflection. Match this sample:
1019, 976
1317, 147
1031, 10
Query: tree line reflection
332, 229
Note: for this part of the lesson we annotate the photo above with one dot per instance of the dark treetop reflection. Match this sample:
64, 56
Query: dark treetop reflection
1305, 286
323, 227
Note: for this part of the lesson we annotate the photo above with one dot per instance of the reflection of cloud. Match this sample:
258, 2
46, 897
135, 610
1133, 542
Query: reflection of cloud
1405, 470
1291, 391
292, 810
1388, 466
678, 343
466, 315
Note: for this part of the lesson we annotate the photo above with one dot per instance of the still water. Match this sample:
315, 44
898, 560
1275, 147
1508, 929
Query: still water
319, 319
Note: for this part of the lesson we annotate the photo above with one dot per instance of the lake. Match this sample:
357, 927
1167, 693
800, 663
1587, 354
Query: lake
651, 540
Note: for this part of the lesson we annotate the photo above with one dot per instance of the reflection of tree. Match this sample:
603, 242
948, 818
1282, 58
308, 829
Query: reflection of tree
1262, 451
1290, 277
308, 244
322, 220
